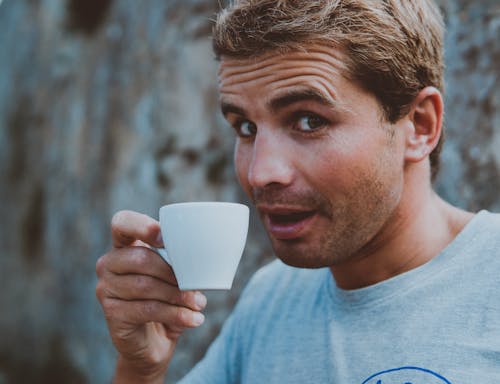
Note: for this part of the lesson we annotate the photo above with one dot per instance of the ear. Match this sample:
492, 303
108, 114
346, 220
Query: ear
426, 119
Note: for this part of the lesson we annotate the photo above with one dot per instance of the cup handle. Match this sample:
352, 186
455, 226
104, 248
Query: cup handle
163, 253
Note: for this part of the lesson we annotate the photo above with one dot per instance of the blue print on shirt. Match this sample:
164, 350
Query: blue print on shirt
406, 375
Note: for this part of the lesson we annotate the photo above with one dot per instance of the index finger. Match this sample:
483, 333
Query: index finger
129, 226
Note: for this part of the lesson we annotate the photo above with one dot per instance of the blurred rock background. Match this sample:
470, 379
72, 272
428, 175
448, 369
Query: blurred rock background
108, 105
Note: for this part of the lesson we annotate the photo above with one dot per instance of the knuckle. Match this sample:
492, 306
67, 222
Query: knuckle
99, 291
100, 266
104, 296
109, 307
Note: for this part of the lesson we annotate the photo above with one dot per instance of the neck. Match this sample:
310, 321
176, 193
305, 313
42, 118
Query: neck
420, 228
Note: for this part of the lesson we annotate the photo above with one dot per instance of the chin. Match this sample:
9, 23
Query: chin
302, 255
302, 260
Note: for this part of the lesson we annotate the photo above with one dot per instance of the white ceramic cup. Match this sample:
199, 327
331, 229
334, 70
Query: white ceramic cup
204, 242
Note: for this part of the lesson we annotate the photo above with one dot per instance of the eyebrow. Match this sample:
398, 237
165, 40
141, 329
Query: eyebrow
285, 100
300, 95
227, 108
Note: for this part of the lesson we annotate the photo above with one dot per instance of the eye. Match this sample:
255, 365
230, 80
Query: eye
310, 122
245, 128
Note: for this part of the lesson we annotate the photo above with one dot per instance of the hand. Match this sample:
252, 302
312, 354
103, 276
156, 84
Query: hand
144, 308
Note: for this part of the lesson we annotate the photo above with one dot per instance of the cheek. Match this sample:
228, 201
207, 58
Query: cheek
333, 166
241, 164
338, 170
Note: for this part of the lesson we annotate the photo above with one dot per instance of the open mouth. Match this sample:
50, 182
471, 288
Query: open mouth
289, 225
289, 218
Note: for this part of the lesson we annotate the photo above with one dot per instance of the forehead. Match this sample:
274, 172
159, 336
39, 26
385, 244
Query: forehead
319, 67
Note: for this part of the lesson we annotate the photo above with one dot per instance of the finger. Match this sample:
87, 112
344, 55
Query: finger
145, 311
140, 287
135, 260
129, 226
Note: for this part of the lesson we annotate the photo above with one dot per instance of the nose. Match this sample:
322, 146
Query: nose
271, 162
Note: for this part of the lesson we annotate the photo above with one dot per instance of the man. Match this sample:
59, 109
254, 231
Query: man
338, 113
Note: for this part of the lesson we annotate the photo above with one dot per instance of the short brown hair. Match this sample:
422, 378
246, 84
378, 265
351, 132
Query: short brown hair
393, 47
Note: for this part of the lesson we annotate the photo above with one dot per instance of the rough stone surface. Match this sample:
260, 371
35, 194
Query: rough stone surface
113, 105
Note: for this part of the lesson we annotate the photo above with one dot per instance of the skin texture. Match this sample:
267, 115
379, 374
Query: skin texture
347, 170
145, 311
335, 185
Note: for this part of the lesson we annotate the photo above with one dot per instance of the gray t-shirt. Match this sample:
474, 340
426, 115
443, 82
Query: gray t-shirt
438, 323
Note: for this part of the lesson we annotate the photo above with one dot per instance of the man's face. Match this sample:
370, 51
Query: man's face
314, 154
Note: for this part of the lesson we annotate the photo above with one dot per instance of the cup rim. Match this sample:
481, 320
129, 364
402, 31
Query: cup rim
197, 204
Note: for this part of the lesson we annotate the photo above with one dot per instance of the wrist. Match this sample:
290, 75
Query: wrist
131, 372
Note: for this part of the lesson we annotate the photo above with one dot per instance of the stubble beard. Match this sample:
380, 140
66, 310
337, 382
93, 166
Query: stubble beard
354, 222
349, 230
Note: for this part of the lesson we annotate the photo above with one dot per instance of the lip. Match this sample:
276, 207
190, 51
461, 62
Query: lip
286, 223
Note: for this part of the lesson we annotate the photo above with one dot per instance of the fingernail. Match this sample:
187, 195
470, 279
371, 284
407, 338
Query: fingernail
198, 318
200, 300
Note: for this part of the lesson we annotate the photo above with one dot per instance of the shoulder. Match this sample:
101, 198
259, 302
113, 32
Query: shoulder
485, 229
488, 218
479, 242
